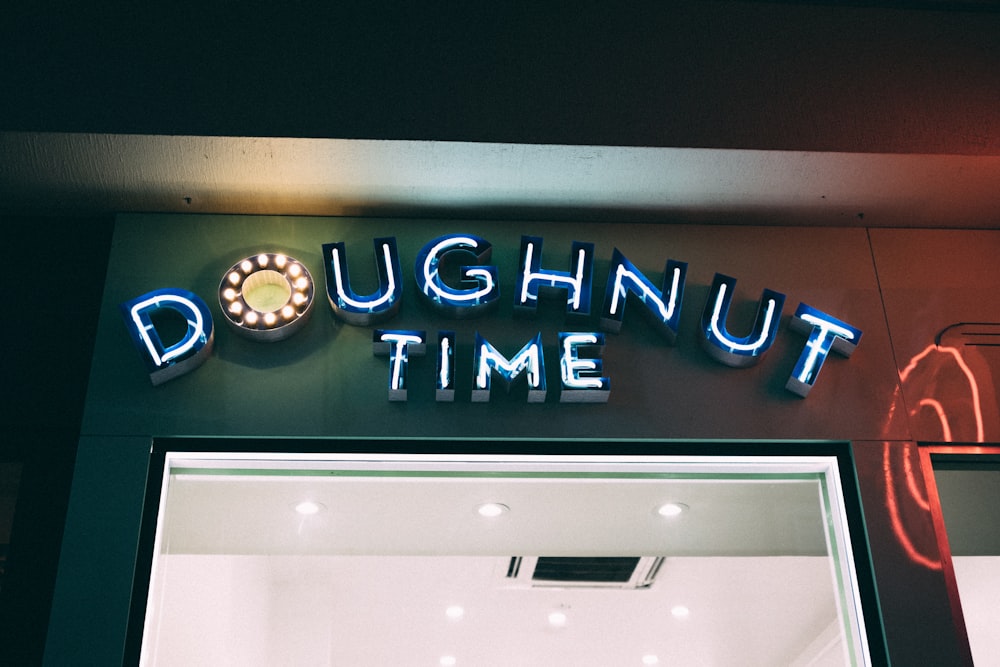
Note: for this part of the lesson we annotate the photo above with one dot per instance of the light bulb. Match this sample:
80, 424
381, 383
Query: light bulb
308, 507
557, 619
671, 509
492, 509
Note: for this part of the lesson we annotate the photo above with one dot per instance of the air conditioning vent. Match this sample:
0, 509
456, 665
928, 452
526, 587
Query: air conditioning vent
581, 571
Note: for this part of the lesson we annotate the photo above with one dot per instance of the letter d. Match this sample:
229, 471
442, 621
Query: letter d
167, 361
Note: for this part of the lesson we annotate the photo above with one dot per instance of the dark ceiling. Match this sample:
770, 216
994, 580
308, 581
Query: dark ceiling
839, 76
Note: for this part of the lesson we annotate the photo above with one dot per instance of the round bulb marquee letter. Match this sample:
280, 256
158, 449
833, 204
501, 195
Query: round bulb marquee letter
267, 297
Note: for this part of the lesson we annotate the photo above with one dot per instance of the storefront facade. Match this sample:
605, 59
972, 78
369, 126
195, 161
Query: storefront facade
917, 372
841, 154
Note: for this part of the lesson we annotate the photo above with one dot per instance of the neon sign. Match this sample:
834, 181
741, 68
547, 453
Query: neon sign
372, 308
825, 333
165, 362
398, 346
289, 292
531, 277
662, 305
723, 346
444, 389
529, 361
482, 291
582, 381
267, 297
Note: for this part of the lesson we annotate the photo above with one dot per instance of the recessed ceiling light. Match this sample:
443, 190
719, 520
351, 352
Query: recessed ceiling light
671, 509
308, 507
448, 660
680, 611
650, 659
454, 612
492, 509
557, 619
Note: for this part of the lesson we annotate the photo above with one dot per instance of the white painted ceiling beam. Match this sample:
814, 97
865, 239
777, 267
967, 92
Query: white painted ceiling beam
54, 173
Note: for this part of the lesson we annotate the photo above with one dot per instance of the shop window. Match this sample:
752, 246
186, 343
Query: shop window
965, 502
364, 559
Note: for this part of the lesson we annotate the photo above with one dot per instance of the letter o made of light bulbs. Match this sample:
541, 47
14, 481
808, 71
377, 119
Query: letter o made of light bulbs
262, 319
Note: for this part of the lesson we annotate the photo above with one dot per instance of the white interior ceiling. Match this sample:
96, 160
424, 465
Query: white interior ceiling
406, 517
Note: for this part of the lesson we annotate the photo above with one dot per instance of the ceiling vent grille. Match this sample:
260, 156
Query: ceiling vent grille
626, 572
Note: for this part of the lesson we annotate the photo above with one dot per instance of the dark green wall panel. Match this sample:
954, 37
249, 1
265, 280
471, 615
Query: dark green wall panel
325, 381
94, 585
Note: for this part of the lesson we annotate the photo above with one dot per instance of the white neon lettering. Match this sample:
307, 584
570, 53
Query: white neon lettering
741, 347
490, 358
666, 310
375, 303
431, 273
578, 283
571, 366
827, 327
574, 285
580, 376
473, 272
816, 344
526, 282
824, 335
180, 350
445, 376
399, 355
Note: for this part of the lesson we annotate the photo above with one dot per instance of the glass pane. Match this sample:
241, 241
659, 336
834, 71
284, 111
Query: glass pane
970, 498
477, 561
